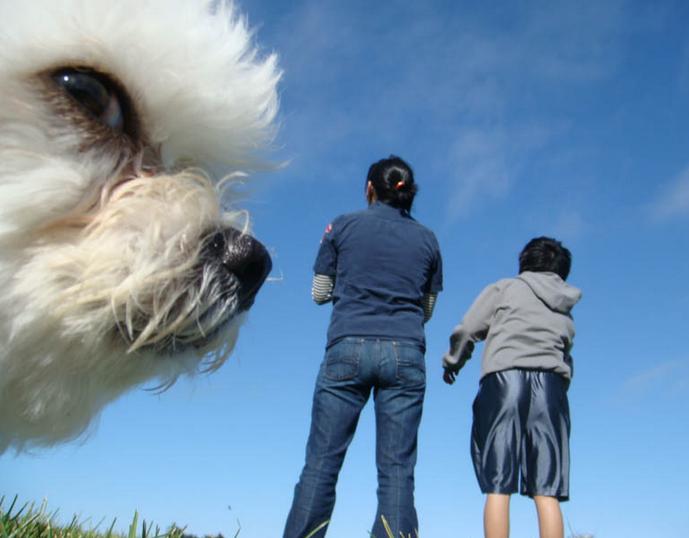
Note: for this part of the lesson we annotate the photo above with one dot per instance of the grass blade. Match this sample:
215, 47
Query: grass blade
132, 527
314, 531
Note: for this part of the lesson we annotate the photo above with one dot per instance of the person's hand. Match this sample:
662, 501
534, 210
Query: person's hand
449, 376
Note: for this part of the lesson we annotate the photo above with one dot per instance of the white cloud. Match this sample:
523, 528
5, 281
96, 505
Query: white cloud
467, 86
497, 78
487, 162
569, 224
674, 200
672, 376
482, 163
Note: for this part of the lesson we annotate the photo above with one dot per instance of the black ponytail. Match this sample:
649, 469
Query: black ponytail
393, 182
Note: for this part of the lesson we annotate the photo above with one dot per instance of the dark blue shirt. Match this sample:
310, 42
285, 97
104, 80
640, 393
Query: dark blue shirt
383, 262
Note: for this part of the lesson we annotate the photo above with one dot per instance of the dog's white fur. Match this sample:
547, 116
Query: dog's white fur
100, 288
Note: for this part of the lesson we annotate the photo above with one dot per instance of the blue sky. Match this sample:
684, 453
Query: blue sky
520, 119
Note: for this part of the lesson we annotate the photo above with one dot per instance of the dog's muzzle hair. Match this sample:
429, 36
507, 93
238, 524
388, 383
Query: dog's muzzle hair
122, 258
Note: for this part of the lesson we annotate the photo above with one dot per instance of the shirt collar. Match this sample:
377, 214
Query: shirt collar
384, 209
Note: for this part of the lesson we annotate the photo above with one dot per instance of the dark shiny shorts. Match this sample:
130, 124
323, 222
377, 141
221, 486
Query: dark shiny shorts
520, 435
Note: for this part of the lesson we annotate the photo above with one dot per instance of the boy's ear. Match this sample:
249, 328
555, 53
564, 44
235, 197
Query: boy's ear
370, 193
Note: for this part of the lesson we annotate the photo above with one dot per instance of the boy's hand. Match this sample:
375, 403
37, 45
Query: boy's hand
449, 376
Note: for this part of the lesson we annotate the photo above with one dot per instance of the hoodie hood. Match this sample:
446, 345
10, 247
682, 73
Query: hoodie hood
552, 290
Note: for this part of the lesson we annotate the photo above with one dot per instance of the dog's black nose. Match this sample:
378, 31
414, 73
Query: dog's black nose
243, 256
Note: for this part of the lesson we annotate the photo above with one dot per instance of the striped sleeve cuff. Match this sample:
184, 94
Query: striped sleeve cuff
322, 288
428, 305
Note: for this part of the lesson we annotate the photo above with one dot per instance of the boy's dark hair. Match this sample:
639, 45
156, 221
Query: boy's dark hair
545, 254
393, 182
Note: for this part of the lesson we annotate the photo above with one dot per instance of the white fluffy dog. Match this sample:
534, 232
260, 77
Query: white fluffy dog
119, 261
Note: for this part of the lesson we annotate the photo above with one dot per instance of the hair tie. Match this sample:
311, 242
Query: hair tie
399, 185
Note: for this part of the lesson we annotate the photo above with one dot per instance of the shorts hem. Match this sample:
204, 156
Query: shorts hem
560, 496
498, 491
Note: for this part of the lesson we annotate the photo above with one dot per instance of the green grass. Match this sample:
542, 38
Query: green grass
386, 526
31, 521
388, 530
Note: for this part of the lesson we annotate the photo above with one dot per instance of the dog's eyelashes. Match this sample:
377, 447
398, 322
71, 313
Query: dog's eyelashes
96, 93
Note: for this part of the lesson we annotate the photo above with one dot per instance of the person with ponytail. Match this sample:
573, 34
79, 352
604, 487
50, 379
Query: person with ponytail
382, 271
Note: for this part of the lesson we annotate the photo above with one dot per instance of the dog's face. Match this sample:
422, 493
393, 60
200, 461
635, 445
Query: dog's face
119, 259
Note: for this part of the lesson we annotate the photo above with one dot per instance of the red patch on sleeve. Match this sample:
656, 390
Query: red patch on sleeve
328, 229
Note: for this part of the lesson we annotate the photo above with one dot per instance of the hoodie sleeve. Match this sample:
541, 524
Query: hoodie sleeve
473, 328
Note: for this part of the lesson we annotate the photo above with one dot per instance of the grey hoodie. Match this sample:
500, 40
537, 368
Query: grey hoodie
526, 323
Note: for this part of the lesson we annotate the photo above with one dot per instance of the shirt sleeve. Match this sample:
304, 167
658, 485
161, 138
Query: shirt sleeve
428, 305
322, 288
473, 328
435, 280
326, 259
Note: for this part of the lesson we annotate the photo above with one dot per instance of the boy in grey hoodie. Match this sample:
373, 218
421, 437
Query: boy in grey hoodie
521, 420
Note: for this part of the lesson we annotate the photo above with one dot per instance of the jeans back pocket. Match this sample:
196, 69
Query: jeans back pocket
342, 360
411, 365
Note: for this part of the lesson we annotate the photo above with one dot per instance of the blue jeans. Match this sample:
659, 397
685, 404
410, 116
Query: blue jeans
352, 367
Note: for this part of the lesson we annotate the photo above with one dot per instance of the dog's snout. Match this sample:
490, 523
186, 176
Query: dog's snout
244, 257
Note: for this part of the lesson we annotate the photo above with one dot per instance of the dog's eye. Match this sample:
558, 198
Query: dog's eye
96, 94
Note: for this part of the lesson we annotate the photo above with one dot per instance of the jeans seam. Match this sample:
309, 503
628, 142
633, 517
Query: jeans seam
312, 499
